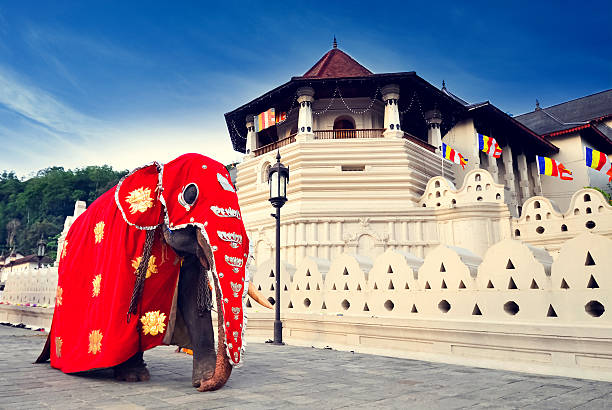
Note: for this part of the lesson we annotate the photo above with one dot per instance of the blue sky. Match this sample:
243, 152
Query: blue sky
124, 83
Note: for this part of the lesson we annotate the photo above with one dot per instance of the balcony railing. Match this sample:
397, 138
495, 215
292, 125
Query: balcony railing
419, 142
275, 145
343, 134
340, 134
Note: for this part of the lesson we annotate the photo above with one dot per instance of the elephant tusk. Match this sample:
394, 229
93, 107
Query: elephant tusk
258, 297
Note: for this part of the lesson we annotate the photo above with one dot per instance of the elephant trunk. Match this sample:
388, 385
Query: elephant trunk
223, 368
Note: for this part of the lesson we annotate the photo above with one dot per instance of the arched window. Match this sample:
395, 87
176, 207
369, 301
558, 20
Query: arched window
344, 127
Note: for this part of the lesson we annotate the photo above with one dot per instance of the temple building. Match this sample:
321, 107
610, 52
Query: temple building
362, 147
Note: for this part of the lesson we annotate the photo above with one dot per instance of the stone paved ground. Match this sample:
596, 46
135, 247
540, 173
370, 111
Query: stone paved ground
286, 377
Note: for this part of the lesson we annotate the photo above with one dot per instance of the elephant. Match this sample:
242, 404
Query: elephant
135, 272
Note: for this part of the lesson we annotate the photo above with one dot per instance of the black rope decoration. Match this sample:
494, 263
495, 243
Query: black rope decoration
141, 274
204, 298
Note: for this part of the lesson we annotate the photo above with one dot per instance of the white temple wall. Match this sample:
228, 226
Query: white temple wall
368, 120
571, 155
513, 309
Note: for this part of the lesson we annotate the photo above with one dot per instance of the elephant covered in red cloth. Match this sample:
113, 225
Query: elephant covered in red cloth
134, 274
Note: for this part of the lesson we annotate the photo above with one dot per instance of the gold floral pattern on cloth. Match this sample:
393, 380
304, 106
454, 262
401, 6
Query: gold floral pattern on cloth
140, 200
151, 269
95, 342
99, 231
58, 346
153, 323
58, 296
96, 286
64, 250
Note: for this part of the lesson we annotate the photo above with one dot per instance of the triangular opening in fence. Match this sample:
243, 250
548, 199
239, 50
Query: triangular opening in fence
359, 287
318, 288
286, 288
346, 286
589, 260
490, 285
391, 287
592, 283
461, 285
406, 287
427, 285
564, 284
297, 287
272, 286
414, 309
307, 286
375, 286
442, 268
509, 265
308, 272
476, 311
551, 312
259, 287
443, 285
534, 284
290, 306
366, 308
334, 287
511, 284
389, 270
271, 274
345, 272
323, 306
248, 304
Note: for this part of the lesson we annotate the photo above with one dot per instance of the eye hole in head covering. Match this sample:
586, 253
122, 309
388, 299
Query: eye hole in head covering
189, 195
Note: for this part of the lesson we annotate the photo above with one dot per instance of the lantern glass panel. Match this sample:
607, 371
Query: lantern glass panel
274, 185
283, 186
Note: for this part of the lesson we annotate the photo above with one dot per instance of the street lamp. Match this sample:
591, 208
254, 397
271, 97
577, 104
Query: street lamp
42, 246
277, 178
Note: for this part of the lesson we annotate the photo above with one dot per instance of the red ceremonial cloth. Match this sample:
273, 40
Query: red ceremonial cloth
103, 249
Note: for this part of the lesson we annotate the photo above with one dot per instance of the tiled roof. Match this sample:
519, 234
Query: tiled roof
569, 114
337, 64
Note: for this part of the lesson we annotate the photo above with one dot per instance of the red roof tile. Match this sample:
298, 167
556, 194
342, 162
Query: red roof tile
336, 64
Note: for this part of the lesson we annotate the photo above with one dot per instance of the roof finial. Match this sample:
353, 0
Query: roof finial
537, 105
443, 85
335, 42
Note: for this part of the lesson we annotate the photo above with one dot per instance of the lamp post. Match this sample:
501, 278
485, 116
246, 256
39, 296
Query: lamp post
277, 178
41, 250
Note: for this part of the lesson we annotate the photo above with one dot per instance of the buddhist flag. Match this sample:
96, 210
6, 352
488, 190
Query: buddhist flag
489, 146
548, 166
599, 161
452, 155
264, 120
281, 117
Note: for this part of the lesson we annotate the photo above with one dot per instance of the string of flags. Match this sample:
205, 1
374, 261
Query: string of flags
269, 118
598, 161
454, 156
548, 166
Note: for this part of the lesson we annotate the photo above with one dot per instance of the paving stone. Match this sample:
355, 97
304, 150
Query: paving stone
286, 377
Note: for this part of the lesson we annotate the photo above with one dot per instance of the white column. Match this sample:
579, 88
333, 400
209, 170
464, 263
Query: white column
251, 139
537, 182
433, 118
492, 168
509, 179
390, 96
305, 99
523, 176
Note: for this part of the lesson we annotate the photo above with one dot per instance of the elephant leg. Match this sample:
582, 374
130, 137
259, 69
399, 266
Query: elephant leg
133, 369
199, 324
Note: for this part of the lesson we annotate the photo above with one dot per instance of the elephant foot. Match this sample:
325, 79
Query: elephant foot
203, 369
132, 370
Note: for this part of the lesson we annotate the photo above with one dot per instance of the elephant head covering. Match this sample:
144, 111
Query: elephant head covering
117, 277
